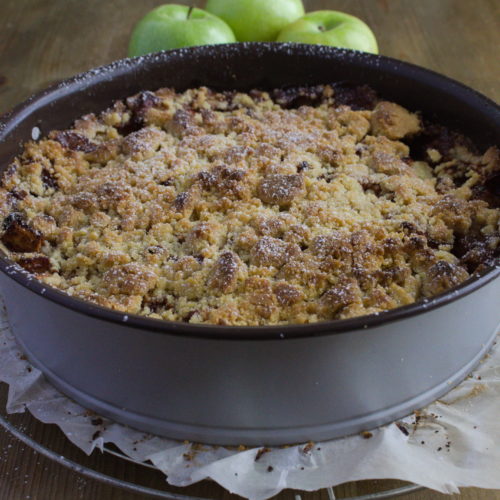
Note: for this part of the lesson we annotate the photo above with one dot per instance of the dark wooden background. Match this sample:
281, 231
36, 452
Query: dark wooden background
42, 41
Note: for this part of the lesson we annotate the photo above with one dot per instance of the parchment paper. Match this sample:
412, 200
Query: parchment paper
452, 443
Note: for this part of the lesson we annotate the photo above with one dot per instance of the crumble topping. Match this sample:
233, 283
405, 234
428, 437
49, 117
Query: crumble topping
292, 206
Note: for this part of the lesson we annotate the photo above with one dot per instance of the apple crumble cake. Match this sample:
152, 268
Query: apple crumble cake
290, 206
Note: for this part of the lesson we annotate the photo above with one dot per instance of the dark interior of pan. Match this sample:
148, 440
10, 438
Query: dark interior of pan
229, 386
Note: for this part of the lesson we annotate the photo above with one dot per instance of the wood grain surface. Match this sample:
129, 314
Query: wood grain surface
43, 41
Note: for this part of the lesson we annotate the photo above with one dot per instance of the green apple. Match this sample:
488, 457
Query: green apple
329, 27
256, 20
173, 26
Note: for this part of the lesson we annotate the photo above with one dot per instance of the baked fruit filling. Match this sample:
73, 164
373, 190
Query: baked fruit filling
292, 206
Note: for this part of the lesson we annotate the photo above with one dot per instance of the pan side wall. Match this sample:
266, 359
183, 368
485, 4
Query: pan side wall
251, 391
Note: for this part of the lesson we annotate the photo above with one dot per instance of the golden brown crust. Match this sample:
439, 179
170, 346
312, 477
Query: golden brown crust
297, 206
393, 121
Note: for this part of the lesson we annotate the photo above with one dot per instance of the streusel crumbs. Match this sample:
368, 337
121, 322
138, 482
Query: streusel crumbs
230, 208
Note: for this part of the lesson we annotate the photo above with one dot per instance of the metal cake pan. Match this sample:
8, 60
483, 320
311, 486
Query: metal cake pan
253, 385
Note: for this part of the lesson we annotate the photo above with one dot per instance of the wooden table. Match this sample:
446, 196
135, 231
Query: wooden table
43, 41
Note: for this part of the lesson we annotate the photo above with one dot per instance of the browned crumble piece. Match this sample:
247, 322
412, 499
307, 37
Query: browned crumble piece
272, 226
278, 189
223, 179
36, 264
104, 152
89, 201
143, 143
224, 273
138, 107
441, 277
129, 279
182, 123
8, 174
74, 141
341, 295
19, 236
394, 121
109, 194
260, 296
272, 252
142, 101
286, 294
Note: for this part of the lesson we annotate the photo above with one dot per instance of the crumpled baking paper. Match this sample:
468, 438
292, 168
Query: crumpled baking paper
453, 442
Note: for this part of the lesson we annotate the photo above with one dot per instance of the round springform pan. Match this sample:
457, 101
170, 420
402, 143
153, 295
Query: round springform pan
253, 385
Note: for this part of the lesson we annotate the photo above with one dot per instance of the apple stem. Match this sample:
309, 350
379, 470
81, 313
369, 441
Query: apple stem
189, 11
